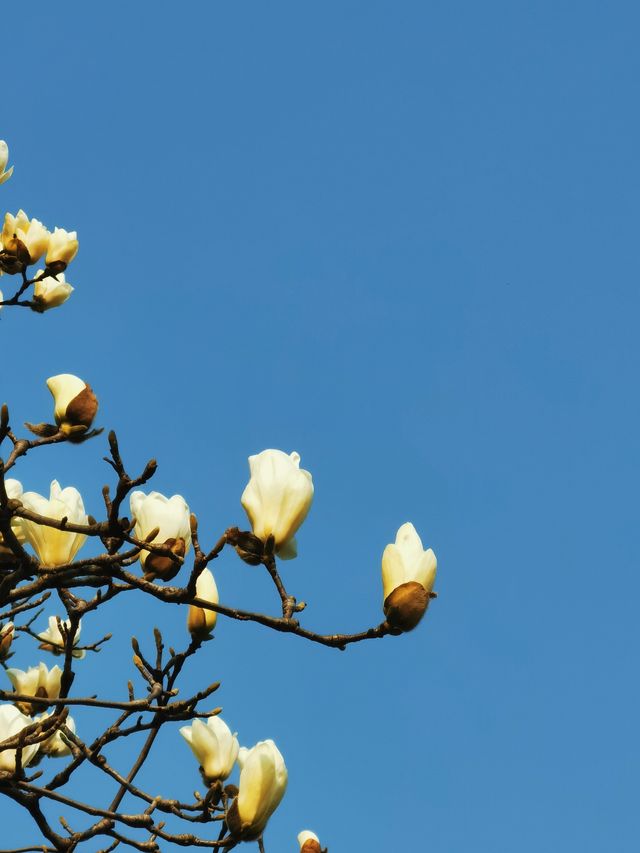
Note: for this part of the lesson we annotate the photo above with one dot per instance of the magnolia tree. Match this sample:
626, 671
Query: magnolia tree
148, 545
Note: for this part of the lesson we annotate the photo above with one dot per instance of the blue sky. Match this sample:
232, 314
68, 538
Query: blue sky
399, 238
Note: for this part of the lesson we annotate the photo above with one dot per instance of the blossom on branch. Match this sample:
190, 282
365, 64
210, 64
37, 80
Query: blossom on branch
54, 642
201, 622
214, 745
62, 249
171, 518
55, 547
277, 498
36, 681
5, 173
50, 292
75, 404
263, 782
408, 575
12, 722
24, 239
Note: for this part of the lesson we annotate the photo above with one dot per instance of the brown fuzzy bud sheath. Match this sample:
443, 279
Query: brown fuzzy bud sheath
82, 409
311, 846
406, 605
157, 565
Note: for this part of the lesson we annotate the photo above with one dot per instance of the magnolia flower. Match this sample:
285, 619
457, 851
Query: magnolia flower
309, 842
6, 638
56, 746
55, 547
263, 781
5, 173
37, 681
75, 404
213, 744
50, 292
408, 575
172, 519
14, 492
26, 239
277, 498
201, 622
62, 249
53, 641
12, 722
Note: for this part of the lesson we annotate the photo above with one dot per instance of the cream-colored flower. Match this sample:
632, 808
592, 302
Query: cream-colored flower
26, 239
63, 247
277, 498
408, 576
53, 641
56, 746
172, 518
263, 781
214, 745
12, 722
75, 404
14, 492
36, 681
201, 622
5, 173
309, 842
55, 547
51, 292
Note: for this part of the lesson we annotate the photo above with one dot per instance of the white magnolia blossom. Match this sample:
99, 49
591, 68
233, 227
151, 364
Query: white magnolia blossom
5, 173
408, 576
75, 404
14, 492
214, 745
36, 681
309, 842
53, 641
277, 498
201, 622
62, 249
55, 547
172, 518
263, 781
12, 722
56, 746
51, 292
29, 232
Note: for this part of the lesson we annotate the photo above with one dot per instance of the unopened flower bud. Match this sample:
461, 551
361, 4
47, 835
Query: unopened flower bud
309, 842
408, 575
6, 638
75, 404
57, 746
200, 622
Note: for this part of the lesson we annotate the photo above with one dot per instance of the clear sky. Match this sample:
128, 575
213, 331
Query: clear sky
400, 238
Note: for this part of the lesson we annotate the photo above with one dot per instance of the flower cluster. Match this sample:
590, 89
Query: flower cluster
263, 773
24, 241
